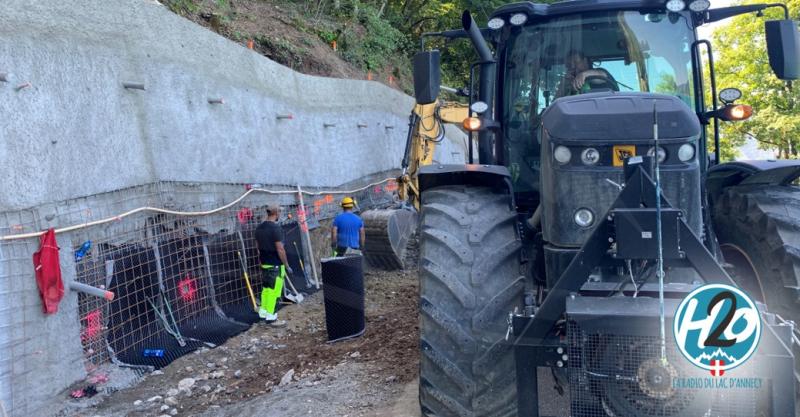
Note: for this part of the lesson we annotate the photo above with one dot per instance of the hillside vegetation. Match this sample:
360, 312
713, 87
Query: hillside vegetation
373, 38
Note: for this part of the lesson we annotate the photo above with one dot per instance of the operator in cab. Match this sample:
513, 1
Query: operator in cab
580, 77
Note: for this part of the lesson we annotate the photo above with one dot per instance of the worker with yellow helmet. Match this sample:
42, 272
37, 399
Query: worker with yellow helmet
347, 231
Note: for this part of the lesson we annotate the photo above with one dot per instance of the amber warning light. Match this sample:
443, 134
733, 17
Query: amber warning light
472, 124
738, 112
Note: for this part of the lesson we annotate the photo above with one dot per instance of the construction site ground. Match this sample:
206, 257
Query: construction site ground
292, 371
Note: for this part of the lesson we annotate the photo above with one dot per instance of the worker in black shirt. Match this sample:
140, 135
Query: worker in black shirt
274, 266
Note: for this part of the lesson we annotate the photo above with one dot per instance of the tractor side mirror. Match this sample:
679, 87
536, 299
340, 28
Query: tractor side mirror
427, 76
783, 48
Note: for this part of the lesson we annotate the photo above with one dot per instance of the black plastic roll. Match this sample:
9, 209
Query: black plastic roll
343, 290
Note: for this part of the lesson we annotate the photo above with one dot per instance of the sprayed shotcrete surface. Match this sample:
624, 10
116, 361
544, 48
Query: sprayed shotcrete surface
75, 122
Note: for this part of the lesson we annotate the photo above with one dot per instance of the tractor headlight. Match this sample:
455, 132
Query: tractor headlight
662, 154
590, 156
686, 152
496, 23
518, 19
584, 217
562, 154
675, 5
698, 6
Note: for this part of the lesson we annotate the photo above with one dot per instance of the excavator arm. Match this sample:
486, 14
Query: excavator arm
425, 131
388, 230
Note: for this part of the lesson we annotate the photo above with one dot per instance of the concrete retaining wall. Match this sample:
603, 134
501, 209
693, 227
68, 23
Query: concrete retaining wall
76, 123
70, 129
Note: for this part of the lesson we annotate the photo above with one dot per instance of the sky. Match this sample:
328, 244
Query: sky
706, 30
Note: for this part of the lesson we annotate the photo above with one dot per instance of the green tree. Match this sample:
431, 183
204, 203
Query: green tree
741, 62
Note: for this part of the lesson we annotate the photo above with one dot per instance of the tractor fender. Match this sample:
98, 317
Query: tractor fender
768, 172
496, 177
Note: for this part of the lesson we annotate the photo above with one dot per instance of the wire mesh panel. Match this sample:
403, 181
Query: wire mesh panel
173, 254
140, 332
93, 311
188, 295
20, 308
227, 264
293, 243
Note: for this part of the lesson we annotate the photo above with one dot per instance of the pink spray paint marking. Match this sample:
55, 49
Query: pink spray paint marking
187, 289
94, 325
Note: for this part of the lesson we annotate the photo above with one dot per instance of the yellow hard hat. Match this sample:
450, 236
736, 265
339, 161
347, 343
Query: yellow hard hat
348, 202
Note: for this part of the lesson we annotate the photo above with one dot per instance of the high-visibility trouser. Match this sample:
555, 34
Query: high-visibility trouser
272, 289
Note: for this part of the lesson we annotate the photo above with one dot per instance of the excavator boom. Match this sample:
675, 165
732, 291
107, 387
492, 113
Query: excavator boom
389, 230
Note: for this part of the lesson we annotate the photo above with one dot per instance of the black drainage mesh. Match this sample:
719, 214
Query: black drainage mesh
136, 334
226, 258
343, 289
293, 245
189, 294
145, 319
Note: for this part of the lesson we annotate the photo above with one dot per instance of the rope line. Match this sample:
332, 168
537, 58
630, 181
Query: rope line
186, 213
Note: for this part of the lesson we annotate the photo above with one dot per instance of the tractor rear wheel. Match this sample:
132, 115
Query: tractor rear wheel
469, 282
758, 229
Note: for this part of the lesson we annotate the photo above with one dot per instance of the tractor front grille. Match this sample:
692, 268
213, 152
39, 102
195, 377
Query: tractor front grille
622, 375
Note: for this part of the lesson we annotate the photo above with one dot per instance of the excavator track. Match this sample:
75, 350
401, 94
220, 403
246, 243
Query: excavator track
387, 235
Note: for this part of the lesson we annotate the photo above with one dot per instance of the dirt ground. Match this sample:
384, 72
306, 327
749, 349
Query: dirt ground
373, 375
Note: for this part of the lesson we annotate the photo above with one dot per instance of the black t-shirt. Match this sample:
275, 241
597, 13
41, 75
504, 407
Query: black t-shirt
267, 233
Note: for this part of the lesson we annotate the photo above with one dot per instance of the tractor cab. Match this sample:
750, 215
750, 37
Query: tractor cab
613, 51
589, 214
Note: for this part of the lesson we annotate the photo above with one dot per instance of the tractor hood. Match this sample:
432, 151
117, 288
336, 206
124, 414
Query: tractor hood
619, 117
584, 143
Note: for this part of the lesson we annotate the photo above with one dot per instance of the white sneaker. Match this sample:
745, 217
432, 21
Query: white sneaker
263, 313
269, 317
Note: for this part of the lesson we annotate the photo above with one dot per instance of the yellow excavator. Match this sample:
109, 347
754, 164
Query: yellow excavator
388, 230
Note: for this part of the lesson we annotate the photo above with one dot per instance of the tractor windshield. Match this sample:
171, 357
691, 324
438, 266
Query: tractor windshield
575, 54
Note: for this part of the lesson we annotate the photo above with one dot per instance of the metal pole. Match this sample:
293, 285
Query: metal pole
90, 290
304, 229
658, 235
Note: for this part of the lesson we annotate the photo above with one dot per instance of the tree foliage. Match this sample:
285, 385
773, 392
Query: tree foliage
395, 26
741, 62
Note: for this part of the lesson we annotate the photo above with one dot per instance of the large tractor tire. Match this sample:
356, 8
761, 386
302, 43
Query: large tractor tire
469, 282
759, 233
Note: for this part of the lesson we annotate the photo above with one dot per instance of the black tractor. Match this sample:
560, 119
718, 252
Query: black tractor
552, 263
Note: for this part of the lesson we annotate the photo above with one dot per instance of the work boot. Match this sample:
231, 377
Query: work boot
263, 313
272, 320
